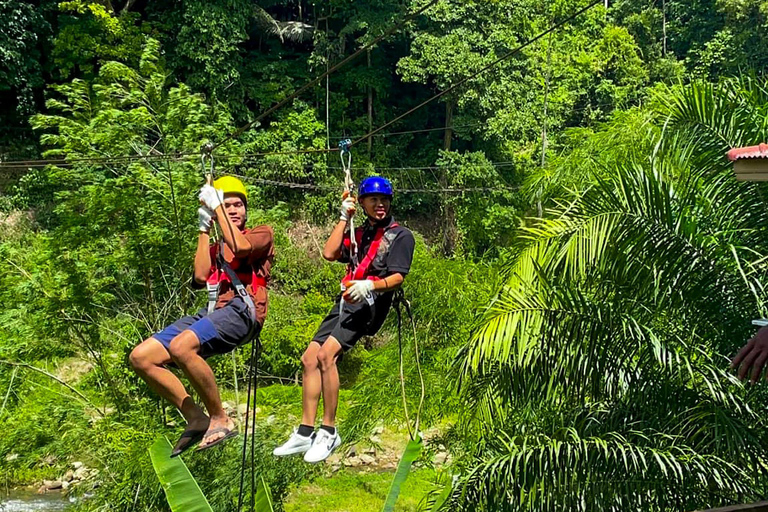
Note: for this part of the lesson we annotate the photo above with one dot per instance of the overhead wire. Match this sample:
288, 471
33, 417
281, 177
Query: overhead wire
331, 188
21, 164
478, 73
328, 72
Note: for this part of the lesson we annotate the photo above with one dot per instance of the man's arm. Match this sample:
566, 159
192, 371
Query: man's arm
236, 241
202, 259
332, 250
389, 283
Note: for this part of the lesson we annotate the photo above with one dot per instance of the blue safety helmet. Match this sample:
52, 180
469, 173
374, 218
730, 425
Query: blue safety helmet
375, 185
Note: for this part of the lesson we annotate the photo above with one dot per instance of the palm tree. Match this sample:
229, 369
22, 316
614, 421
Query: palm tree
597, 379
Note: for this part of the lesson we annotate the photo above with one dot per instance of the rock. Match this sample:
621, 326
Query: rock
49, 460
441, 458
42, 489
226, 406
52, 486
366, 459
378, 430
241, 409
81, 473
352, 451
170, 424
68, 476
77, 465
334, 459
375, 439
335, 468
65, 485
11, 457
370, 451
352, 462
441, 447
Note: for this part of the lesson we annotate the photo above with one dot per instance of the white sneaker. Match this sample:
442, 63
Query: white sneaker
323, 446
295, 444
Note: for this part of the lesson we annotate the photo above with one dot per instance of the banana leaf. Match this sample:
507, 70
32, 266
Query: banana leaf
441, 498
263, 497
181, 489
411, 453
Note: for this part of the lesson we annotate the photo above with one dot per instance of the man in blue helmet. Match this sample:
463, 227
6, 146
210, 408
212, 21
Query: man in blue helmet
378, 266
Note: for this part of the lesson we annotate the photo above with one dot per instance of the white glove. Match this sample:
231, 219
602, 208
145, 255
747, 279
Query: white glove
204, 218
357, 291
347, 209
211, 197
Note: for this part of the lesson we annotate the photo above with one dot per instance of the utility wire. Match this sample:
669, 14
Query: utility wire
319, 79
478, 73
22, 164
330, 188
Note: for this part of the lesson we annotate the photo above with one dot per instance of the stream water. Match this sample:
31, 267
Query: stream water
26, 501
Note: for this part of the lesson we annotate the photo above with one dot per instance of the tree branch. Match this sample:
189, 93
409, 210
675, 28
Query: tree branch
51, 376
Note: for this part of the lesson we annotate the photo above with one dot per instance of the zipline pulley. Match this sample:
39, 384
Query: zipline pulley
346, 164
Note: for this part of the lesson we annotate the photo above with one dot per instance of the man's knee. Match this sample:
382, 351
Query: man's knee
326, 359
183, 346
137, 360
140, 358
309, 360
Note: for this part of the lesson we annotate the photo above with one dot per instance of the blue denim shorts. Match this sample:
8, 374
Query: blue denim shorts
219, 333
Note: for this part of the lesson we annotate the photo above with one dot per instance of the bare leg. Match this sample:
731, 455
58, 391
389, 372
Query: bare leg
184, 351
148, 360
311, 384
330, 377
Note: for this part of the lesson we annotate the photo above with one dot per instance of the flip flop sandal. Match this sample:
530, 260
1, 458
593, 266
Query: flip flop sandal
228, 435
188, 439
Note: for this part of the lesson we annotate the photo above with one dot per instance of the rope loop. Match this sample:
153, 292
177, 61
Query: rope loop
346, 164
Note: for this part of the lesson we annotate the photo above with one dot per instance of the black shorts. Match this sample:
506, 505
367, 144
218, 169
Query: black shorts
219, 333
357, 320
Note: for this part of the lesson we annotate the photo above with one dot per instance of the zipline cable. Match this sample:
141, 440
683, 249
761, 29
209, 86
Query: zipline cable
40, 163
320, 78
478, 73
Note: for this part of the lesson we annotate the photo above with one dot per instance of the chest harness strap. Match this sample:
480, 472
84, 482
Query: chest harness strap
360, 272
223, 272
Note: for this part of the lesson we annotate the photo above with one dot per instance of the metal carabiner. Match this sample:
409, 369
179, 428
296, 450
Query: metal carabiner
346, 164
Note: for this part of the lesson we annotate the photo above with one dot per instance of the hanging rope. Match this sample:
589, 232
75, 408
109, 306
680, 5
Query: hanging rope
253, 383
251, 373
401, 301
349, 187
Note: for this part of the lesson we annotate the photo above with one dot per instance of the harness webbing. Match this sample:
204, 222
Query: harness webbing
360, 271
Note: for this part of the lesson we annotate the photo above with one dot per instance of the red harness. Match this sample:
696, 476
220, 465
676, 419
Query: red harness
217, 276
361, 272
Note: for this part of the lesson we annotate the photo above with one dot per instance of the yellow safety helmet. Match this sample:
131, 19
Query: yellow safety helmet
231, 185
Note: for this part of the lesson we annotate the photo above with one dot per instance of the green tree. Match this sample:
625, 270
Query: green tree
627, 294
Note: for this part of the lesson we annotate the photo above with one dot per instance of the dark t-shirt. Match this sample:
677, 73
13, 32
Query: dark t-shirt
394, 256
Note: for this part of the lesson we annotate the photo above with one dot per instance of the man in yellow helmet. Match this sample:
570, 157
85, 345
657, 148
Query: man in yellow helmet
236, 272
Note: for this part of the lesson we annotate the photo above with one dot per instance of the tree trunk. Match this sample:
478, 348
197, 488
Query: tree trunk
370, 109
544, 120
327, 87
450, 231
664, 27
448, 125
